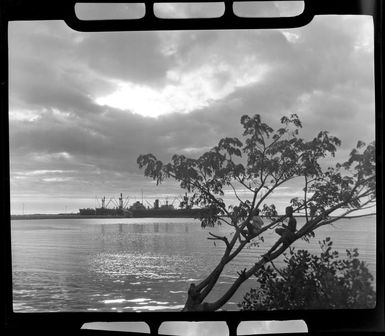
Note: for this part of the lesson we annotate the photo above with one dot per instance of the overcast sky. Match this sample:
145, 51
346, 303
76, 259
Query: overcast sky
84, 106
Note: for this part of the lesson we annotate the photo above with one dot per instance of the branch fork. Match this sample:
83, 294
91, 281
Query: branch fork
222, 238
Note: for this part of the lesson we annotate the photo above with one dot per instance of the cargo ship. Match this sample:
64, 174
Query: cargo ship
139, 210
120, 210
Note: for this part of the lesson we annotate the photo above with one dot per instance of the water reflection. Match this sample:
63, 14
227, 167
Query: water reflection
128, 265
138, 228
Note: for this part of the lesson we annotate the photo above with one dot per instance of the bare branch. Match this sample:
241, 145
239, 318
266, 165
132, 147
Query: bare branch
243, 276
360, 216
242, 273
324, 219
235, 193
305, 199
277, 270
224, 219
215, 237
270, 190
245, 185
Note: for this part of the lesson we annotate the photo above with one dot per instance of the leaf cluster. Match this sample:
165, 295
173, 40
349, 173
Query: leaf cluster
309, 281
349, 184
266, 159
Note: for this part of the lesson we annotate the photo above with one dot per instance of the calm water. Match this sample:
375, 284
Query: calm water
138, 264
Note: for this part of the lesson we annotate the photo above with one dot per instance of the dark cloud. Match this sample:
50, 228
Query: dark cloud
133, 56
30, 88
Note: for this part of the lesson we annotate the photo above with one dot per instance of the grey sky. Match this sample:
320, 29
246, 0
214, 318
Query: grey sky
83, 106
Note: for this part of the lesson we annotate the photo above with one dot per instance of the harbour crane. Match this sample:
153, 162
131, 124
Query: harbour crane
101, 204
126, 202
172, 203
106, 206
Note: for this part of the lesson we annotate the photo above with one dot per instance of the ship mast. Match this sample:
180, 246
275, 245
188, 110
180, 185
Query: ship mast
103, 202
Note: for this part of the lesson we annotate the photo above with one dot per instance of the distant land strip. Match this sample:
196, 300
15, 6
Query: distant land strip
153, 213
183, 213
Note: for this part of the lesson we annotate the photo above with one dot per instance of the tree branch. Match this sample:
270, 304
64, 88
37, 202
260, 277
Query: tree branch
320, 220
215, 237
235, 193
360, 216
278, 271
305, 199
270, 190
245, 185
225, 220
243, 276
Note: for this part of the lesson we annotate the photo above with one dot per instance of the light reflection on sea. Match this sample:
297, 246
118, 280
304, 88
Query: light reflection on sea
137, 264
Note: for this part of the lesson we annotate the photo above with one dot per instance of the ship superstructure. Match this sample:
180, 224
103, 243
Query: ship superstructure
138, 209
120, 208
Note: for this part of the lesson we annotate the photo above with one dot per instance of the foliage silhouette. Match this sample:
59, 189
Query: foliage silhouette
265, 160
313, 282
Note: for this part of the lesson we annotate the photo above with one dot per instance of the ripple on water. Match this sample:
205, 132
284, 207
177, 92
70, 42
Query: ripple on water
115, 301
140, 305
156, 307
143, 266
137, 269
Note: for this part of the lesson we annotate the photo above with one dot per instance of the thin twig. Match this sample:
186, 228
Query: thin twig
278, 271
215, 237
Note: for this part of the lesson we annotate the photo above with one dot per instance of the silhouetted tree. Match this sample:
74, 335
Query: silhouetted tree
265, 160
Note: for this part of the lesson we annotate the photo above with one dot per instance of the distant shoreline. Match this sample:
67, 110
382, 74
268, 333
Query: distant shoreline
58, 216
147, 215
141, 213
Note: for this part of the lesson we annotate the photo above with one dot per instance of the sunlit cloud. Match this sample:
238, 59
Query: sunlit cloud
292, 37
196, 150
45, 157
185, 92
57, 179
364, 33
24, 115
43, 172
